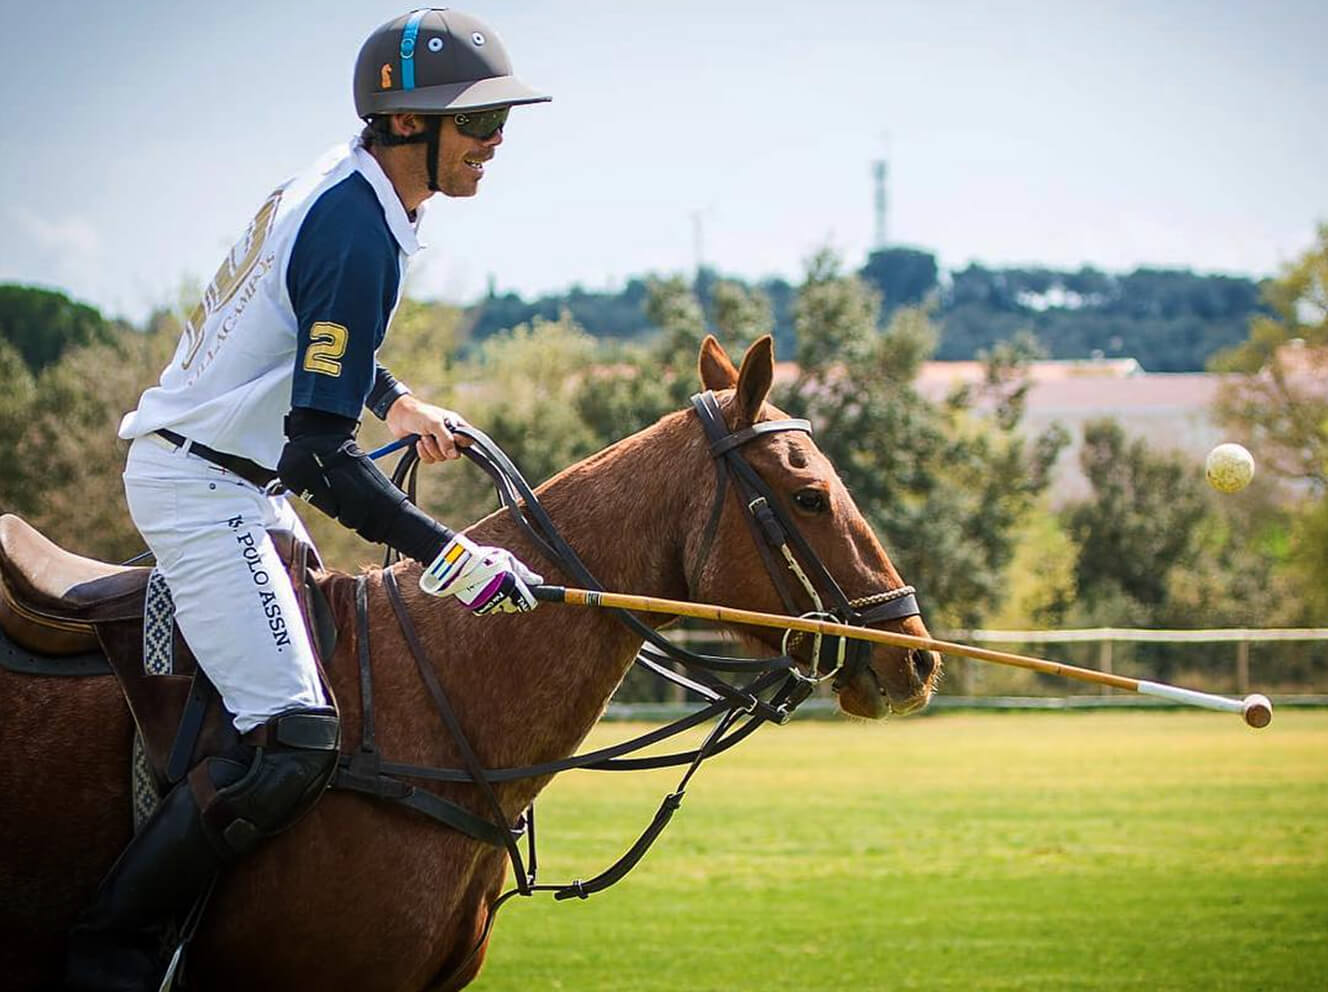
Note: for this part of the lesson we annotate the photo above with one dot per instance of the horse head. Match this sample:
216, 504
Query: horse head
833, 545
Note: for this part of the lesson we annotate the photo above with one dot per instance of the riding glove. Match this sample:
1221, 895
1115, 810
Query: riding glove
483, 579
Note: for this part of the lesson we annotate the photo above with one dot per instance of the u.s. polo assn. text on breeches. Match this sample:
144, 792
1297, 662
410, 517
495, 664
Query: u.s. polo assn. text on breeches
253, 560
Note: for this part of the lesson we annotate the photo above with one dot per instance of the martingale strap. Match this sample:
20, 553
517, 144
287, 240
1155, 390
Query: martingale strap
468, 756
364, 772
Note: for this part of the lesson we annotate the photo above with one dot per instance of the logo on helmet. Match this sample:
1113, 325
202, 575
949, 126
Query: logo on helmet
477, 38
385, 76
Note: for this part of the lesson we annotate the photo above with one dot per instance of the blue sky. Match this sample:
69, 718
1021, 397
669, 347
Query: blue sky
140, 137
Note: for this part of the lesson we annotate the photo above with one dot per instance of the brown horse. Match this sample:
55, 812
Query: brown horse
363, 896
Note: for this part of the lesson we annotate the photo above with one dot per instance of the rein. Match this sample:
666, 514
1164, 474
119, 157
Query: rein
775, 689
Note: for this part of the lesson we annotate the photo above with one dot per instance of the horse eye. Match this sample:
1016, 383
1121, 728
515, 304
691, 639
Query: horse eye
811, 500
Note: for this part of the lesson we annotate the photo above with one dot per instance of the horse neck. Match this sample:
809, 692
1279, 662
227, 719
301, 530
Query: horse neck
627, 511
533, 686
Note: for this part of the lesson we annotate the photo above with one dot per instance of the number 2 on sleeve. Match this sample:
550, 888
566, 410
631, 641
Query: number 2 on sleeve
327, 343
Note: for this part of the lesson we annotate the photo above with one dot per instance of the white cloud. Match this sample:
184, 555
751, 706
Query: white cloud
71, 237
61, 251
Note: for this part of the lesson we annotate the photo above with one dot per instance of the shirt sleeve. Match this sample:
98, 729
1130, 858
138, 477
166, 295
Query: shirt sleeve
386, 391
342, 279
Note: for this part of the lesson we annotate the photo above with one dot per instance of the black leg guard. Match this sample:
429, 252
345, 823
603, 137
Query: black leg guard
228, 804
122, 942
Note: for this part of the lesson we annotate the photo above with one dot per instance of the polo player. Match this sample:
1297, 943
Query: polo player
266, 390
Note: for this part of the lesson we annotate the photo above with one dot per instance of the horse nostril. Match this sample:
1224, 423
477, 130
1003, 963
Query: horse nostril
924, 663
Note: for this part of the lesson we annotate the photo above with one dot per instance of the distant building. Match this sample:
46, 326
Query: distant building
1170, 411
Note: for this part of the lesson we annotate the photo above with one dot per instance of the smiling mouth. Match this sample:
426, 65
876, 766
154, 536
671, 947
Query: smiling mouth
476, 165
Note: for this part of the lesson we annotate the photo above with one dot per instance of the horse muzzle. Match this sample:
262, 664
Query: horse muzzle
875, 683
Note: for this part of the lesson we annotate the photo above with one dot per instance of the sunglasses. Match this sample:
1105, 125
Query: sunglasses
481, 124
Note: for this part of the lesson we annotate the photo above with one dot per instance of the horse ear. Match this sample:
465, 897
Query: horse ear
717, 371
758, 372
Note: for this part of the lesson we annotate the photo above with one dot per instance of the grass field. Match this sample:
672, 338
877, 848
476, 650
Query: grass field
1127, 850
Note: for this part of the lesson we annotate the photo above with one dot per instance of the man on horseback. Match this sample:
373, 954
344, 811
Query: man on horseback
266, 387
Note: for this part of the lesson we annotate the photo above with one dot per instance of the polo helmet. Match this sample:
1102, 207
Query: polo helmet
436, 61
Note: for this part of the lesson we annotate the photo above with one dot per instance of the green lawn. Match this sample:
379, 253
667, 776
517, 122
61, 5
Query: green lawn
1123, 850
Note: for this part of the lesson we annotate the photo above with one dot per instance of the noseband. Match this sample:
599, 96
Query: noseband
774, 531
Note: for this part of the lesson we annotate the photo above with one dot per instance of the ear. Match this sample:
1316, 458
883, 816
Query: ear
717, 372
404, 125
758, 372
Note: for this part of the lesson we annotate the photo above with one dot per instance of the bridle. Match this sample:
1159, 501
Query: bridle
775, 687
773, 531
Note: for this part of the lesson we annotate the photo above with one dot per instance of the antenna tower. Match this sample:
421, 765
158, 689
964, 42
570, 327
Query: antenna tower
879, 173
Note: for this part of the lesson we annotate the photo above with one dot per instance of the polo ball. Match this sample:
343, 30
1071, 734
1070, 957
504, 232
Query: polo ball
1229, 468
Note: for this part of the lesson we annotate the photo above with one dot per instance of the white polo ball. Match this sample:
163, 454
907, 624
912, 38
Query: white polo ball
1229, 468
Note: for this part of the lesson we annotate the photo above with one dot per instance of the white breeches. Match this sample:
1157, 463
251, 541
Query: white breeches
234, 602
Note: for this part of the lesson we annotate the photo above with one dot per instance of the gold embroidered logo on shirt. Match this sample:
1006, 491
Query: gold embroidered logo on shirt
235, 270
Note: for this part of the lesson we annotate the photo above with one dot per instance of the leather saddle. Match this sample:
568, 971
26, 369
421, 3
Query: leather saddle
65, 615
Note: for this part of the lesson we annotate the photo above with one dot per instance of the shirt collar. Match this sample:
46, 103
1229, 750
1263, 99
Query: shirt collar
405, 232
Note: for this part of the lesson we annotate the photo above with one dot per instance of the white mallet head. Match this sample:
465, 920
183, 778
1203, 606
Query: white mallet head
1229, 468
1256, 710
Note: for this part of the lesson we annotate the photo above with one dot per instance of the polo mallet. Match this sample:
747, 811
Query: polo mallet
1254, 709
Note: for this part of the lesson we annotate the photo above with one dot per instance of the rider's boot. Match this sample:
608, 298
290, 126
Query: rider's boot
222, 811
121, 943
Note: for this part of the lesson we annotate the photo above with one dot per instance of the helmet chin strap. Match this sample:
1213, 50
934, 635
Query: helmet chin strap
431, 137
433, 129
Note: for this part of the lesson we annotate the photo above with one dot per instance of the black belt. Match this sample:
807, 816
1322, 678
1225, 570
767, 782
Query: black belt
247, 470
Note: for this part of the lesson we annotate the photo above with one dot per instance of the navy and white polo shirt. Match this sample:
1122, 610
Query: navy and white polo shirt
294, 316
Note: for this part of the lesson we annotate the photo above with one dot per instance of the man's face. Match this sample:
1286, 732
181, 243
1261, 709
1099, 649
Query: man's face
461, 159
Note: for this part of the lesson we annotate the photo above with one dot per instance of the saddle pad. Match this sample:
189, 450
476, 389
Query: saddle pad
158, 627
144, 790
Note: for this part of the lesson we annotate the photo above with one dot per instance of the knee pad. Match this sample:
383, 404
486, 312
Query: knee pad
267, 783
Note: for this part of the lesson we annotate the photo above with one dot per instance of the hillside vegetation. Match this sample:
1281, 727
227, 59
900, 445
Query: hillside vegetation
1169, 320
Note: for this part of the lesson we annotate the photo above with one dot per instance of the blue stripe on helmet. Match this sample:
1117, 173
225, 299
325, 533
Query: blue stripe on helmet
408, 34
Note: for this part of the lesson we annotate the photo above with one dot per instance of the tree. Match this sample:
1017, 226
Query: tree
66, 457
1157, 547
1138, 526
1276, 402
904, 276
944, 485
17, 391
1040, 581
1277, 397
42, 323
636, 385
1308, 561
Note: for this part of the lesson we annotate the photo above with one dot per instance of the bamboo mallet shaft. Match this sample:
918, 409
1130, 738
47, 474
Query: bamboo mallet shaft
1255, 709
